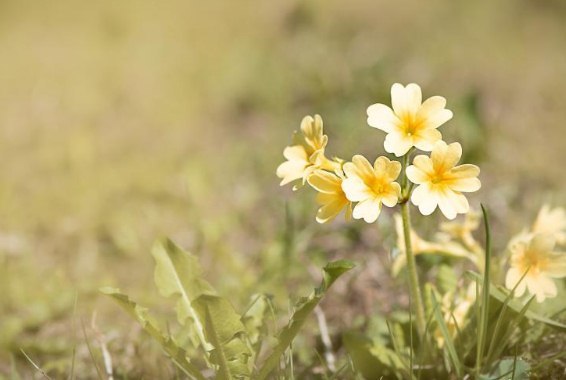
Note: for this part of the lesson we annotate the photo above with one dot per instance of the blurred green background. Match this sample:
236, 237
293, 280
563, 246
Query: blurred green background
124, 121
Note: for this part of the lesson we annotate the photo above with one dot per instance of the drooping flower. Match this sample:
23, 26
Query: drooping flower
411, 123
330, 197
440, 246
551, 222
306, 154
371, 186
537, 261
463, 231
441, 182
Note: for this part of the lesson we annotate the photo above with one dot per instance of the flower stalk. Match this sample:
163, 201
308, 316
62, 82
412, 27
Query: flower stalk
416, 294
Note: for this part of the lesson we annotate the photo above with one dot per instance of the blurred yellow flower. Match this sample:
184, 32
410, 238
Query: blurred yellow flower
551, 222
306, 154
410, 123
539, 263
441, 182
371, 186
330, 195
441, 247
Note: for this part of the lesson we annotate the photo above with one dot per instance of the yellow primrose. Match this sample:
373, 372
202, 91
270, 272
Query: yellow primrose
371, 186
539, 263
330, 195
411, 123
441, 247
441, 182
551, 222
306, 154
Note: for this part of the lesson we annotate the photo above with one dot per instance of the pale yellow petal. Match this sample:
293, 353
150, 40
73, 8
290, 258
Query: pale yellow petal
541, 286
435, 119
425, 199
557, 265
406, 99
391, 169
325, 198
416, 175
445, 157
512, 279
424, 163
452, 203
290, 171
312, 129
329, 211
542, 244
382, 117
296, 152
467, 185
355, 189
465, 171
308, 127
446, 205
430, 106
426, 138
397, 143
325, 182
363, 168
367, 210
392, 197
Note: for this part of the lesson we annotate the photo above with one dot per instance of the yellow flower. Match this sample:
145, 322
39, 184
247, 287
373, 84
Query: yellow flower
441, 182
541, 264
330, 195
410, 123
371, 186
439, 247
551, 222
306, 154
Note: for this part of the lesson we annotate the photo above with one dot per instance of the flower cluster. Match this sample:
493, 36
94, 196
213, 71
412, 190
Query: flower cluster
534, 257
410, 124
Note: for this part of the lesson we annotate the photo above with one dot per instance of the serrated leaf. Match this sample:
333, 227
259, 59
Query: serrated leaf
178, 273
303, 309
224, 329
140, 314
255, 317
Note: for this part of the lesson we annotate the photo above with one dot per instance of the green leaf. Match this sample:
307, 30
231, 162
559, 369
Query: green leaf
508, 369
254, 319
303, 309
139, 313
446, 279
224, 329
178, 273
372, 360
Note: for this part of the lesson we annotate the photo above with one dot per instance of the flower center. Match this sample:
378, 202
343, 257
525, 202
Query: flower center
412, 124
379, 186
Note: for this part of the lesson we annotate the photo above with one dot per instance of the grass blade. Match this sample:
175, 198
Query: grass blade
484, 307
449, 343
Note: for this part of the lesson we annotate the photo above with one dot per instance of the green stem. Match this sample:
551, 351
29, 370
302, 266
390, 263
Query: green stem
416, 294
